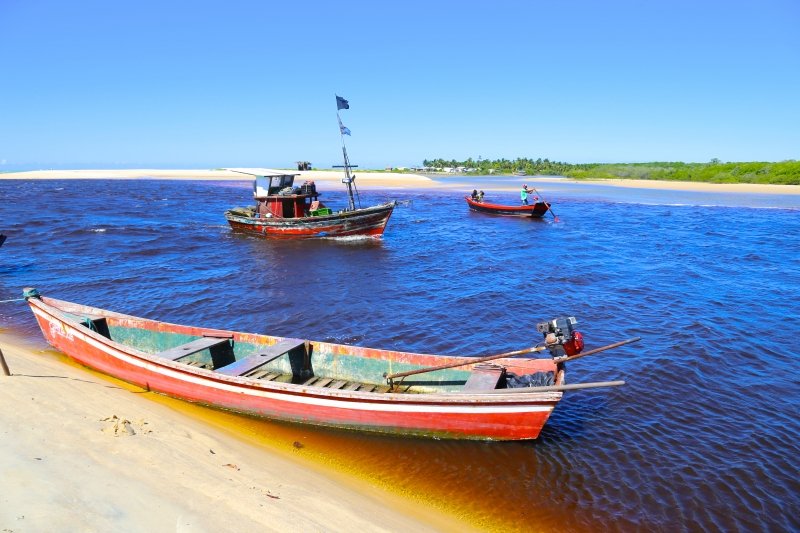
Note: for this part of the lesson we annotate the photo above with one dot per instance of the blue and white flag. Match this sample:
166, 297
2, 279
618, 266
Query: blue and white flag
342, 128
341, 103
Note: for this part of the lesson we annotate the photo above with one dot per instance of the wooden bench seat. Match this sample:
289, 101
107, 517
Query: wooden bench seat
197, 345
485, 377
261, 358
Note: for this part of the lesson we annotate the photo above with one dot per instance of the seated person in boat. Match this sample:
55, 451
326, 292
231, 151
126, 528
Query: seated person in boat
480, 197
474, 195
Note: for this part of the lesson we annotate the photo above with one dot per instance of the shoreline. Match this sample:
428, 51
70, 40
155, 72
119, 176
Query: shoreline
699, 186
397, 180
77, 440
329, 177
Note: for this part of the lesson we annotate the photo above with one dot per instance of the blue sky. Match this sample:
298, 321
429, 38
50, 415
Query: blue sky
175, 84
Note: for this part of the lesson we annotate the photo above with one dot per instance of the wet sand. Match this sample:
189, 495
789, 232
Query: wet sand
752, 188
81, 452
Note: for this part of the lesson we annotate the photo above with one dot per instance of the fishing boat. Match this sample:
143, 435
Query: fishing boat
534, 210
286, 211
499, 397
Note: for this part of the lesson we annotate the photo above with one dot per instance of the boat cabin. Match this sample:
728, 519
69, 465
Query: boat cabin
277, 196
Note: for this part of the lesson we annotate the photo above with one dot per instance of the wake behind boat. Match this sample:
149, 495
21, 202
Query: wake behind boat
321, 383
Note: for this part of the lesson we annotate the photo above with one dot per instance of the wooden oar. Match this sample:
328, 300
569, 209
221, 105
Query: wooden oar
462, 363
502, 355
555, 217
552, 388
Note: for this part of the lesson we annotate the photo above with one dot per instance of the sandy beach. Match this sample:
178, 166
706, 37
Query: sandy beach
331, 178
391, 180
751, 188
82, 452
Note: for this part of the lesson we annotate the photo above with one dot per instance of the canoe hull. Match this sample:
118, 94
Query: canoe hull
536, 210
454, 415
369, 222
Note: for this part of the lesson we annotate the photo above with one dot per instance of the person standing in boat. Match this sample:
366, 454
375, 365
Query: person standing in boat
474, 195
480, 197
523, 194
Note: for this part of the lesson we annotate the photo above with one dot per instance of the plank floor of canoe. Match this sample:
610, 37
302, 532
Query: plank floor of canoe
316, 381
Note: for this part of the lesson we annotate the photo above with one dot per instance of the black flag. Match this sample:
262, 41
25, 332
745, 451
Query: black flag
341, 103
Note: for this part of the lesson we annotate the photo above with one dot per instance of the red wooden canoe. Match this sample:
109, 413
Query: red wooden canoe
307, 381
536, 210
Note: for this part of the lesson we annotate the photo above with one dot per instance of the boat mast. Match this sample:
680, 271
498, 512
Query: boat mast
349, 179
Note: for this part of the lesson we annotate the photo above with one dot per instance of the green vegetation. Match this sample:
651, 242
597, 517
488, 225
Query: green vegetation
715, 171
783, 173
506, 166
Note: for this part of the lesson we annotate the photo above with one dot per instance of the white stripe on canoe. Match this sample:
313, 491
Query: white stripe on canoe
352, 404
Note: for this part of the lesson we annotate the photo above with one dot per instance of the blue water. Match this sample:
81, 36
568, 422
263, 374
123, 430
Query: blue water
705, 434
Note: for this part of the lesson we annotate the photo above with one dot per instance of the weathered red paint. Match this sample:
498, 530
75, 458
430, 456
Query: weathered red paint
369, 221
450, 415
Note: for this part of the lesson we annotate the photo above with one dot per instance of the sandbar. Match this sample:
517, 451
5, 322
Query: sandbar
81, 452
332, 178
752, 188
398, 180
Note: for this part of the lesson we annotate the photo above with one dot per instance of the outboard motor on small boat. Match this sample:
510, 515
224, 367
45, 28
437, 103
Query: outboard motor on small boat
561, 337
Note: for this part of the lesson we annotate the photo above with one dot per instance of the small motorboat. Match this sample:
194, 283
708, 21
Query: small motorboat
498, 397
534, 210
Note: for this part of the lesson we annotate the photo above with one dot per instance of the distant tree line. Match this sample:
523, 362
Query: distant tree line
715, 171
506, 166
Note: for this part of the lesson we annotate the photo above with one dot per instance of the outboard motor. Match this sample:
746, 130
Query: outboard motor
560, 337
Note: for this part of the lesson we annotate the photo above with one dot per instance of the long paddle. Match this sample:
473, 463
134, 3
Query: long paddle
555, 217
553, 388
390, 377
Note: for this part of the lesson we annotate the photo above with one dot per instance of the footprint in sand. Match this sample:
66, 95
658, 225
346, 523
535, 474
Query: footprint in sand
117, 426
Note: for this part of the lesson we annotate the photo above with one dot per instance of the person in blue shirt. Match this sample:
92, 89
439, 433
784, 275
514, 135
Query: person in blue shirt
523, 194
